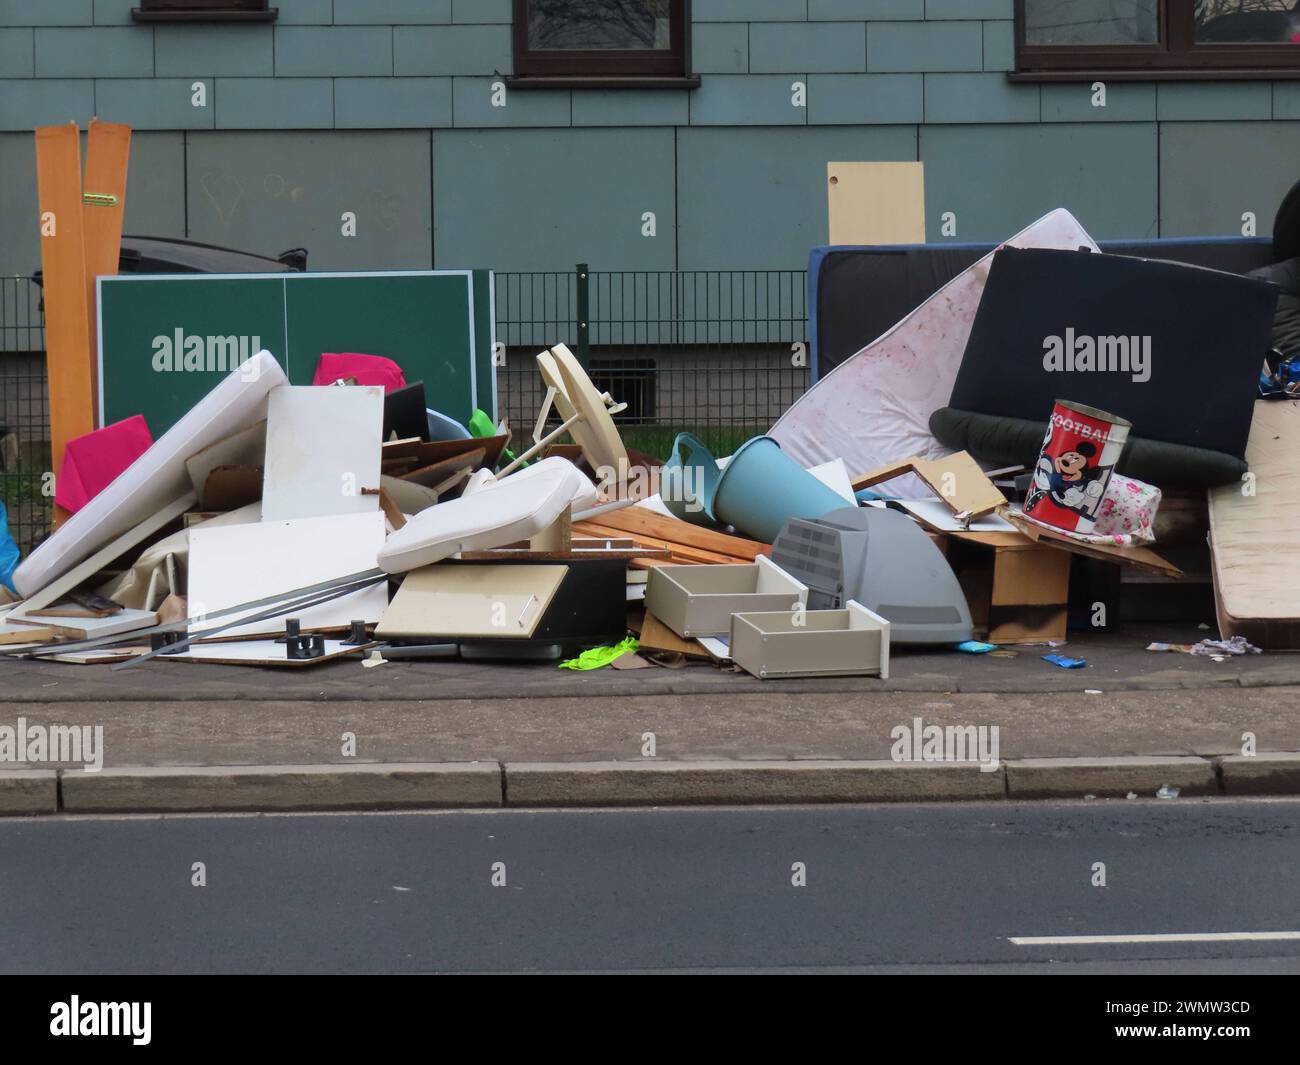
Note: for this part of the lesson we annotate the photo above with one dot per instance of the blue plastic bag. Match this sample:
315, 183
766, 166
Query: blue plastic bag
8, 552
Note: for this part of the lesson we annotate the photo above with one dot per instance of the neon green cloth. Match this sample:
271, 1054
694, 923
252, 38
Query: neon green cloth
481, 426
598, 657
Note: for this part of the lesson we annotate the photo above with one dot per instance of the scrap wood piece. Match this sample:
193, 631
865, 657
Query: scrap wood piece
228, 488
576, 551
388, 505
80, 605
25, 633
412, 498
956, 479
244, 448
112, 625
636, 520
436, 475
417, 454
1141, 557
651, 546
657, 637
1255, 539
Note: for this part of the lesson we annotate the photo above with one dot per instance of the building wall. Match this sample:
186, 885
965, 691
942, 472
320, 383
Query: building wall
384, 108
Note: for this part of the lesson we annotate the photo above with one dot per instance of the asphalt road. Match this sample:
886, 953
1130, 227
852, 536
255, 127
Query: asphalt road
936, 887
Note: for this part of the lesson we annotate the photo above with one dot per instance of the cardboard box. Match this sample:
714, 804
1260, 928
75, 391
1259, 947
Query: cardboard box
699, 600
1017, 590
818, 643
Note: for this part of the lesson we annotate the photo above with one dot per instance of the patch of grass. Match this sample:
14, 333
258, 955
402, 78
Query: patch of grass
657, 440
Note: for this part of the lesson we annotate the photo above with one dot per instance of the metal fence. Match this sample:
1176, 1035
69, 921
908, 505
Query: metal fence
721, 354
25, 488
718, 353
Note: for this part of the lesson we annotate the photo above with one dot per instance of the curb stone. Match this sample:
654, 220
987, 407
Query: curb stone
1073, 778
665, 783
1261, 774
466, 785
29, 791
181, 789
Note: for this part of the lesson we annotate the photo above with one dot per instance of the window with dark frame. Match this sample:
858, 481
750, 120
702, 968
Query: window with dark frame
601, 41
204, 11
1069, 40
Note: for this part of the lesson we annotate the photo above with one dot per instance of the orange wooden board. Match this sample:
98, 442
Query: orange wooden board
108, 150
63, 265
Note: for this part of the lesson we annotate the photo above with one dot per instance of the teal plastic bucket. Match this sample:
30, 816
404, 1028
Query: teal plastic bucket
762, 488
689, 480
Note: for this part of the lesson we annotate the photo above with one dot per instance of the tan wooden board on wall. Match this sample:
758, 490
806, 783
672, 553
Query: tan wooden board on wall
876, 203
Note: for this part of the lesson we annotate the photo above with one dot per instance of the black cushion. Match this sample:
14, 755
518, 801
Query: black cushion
1182, 346
1016, 441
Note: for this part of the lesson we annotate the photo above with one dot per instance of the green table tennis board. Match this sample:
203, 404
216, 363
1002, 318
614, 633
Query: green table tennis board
166, 340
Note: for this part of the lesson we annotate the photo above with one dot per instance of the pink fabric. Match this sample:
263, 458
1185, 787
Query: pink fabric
367, 369
92, 462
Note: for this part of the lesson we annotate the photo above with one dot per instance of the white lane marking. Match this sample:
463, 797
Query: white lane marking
1164, 937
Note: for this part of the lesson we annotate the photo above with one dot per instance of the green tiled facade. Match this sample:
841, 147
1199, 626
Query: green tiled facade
397, 110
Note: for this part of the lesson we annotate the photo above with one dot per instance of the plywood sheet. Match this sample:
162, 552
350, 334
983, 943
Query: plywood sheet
1255, 539
235, 564
876, 203
491, 602
322, 448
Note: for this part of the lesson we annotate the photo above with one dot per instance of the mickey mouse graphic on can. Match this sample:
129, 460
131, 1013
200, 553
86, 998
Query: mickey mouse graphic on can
1079, 453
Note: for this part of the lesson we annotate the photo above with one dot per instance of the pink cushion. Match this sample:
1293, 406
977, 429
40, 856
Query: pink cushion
367, 369
92, 462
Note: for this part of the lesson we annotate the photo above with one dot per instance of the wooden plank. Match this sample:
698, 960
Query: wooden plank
513, 553
679, 552
63, 266
637, 520
1142, 557
1255, 539
437, 474
108, 153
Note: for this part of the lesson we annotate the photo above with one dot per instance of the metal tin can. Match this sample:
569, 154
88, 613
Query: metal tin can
1079, 453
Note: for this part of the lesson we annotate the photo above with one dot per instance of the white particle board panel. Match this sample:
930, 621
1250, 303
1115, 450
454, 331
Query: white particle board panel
323, 446
235, 564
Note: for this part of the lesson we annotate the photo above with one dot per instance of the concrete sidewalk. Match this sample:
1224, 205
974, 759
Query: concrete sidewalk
183, 737
252, 754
